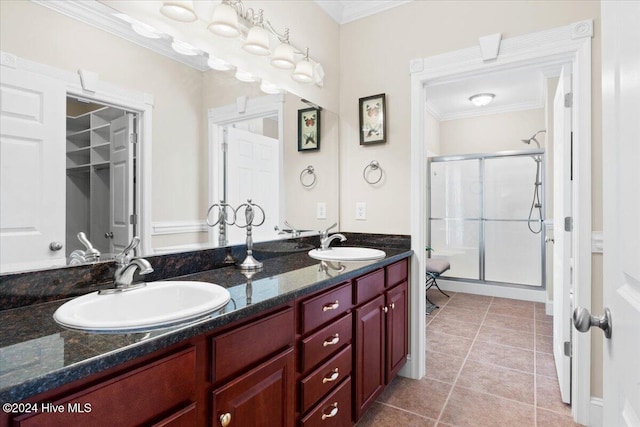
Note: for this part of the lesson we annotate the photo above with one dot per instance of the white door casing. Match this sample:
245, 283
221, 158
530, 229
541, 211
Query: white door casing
556, 46
32, 204
121, 182
253, 171
562, 251
621, 197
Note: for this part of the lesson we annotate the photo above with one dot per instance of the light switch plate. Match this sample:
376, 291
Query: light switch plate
321, 210
361, 211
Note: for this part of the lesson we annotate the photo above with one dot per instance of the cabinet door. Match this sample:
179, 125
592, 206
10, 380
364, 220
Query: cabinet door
397, 329
262, 397
370, 354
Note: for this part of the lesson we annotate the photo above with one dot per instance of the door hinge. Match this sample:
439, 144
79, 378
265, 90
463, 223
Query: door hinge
568, 223
568, 100
133, 138
567, 348
224, 147
133, 219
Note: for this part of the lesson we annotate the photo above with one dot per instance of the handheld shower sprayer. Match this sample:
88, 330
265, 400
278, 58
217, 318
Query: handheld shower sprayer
536, 203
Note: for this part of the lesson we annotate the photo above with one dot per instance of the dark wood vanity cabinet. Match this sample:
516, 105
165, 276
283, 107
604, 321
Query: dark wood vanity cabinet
380, 334
318, 361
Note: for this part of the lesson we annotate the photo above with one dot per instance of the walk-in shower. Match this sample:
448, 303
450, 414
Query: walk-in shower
535, 225
480, 216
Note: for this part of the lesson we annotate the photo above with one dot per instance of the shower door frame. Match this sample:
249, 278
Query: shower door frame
481, 220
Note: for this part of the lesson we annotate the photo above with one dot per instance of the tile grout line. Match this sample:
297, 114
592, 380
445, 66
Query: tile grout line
404, 410
446, 402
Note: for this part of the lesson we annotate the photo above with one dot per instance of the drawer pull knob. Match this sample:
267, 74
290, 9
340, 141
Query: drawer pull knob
333, 341
331, 306
331, 378
225, 419
333, 413
393, 306
385, 309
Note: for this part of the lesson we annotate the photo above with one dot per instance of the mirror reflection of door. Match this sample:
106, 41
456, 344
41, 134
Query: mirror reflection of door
32, 171
99, 191
253, 172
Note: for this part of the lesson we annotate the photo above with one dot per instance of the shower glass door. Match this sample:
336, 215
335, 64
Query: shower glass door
479, 217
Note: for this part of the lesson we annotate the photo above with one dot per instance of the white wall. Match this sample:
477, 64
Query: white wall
491, 133
374, 58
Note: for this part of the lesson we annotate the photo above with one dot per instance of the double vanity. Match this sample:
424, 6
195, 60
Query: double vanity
301, 342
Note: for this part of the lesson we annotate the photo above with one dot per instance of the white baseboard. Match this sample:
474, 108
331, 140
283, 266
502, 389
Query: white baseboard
595, 412
548, 308
537, 295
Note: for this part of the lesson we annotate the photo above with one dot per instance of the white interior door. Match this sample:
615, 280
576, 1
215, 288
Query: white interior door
621, 173
562, 253
253, 171
32, 201
121, 182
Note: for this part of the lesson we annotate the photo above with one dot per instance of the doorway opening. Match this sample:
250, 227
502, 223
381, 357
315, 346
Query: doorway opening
100, 176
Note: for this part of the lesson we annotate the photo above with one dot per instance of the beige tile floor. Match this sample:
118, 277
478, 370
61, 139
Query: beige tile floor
489, 362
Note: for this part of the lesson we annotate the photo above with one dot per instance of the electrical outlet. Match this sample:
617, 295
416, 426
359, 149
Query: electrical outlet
321, 210
361, 211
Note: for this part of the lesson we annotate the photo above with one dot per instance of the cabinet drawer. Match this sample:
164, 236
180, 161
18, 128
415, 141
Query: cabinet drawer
133, 398
325, 307
334, 411
397, 272
240, 348
369, 286
325, 342
185, 417
326, 377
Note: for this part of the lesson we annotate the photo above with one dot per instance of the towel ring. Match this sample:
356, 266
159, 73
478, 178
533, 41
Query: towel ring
222, 214
374, 165
310, 171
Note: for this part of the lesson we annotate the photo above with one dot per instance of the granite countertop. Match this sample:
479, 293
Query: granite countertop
37, 354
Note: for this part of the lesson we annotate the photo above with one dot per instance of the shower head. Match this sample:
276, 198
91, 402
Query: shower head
533, 138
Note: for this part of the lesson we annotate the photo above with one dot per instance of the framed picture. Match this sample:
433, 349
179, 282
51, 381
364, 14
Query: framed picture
373, 126
309, 129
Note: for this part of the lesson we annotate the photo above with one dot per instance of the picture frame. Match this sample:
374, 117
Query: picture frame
373, 123
309, 129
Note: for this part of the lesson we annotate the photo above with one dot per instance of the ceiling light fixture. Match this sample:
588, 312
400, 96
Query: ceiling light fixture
232, 19
179, 10
482, 99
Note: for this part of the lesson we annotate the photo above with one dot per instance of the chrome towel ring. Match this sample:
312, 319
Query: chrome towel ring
309, 171
373, 166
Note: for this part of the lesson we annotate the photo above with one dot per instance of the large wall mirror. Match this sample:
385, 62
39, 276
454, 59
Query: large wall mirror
112, 139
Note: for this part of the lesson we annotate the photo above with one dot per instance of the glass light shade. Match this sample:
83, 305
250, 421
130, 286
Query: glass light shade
303, 72
179, 10
482, 99
257, 41
283, 57
224, 21
146, 30
245, 76
184, 48
218, 64
268, 87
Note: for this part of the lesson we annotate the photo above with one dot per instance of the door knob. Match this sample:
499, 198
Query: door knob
108, 235
55, 246
583, 320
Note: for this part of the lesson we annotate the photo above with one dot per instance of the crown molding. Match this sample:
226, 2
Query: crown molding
345, 11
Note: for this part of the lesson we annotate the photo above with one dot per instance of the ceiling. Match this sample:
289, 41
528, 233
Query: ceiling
515, 90
344, 11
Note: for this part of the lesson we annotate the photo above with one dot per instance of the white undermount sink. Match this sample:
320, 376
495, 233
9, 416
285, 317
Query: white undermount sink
347, 253
156, 305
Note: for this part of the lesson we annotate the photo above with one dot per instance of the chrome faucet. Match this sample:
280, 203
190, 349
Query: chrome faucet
126, 267
291, 230
124, 276
90, 254
325, 239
